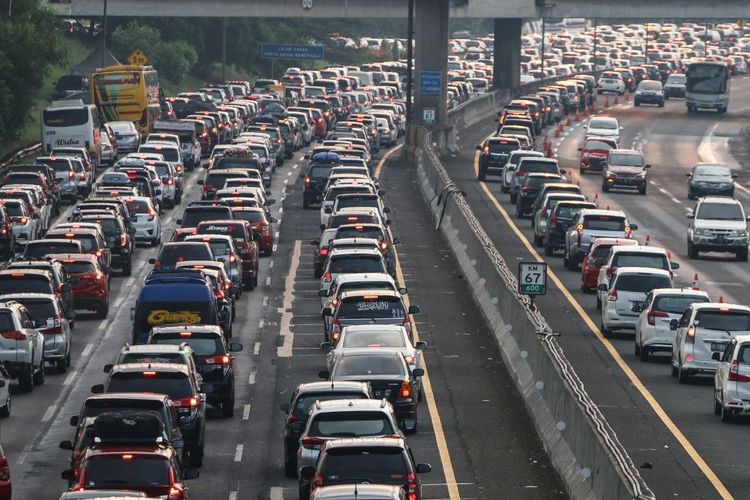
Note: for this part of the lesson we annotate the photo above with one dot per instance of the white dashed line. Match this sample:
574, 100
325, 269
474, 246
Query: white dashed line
232, 495
288, 174
119, 302
261, 323
238, 452
246, 412
265, 300
268, 281
256, 349
70, 378
286, 181
87, 350
251, 378
277, 493
270, 264
49, 413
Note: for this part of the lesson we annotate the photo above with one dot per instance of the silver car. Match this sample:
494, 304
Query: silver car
126, 136
25, 227
144, 219
21, 345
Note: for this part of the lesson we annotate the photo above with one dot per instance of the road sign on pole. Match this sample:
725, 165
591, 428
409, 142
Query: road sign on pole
532, 278
430, 82
286, 51
138, 58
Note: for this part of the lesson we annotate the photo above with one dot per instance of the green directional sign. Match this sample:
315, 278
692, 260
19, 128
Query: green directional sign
532, 278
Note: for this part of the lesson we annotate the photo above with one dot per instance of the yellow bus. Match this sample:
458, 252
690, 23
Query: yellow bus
127, 93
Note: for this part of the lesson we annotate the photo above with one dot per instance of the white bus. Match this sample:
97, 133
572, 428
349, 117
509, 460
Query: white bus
72, 123
707, 86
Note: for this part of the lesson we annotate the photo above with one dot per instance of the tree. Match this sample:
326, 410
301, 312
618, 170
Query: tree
29, 46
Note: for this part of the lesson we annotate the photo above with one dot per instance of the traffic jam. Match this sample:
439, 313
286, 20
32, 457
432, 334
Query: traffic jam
70, 230
638, 294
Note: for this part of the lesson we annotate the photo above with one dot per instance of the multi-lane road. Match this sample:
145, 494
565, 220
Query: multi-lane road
668, 428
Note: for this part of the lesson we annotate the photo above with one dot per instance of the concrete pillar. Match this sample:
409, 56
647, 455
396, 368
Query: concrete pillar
507, 70
430, 59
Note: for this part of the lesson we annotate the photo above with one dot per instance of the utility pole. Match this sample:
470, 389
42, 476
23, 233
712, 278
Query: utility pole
544, 36
104, 33
409, 60
223, 49
596, 24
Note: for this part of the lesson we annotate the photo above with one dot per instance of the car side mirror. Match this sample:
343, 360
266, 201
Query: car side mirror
107, 368
417, 372
322, 293
270, 202
65, 287
386, 210
221, 259
324, 374
284, 407
307, 156
74, 421
479, 148
673, 324
307, 473
734, 176
235, 347
199, 182
424, 468
563, 171
688, 174
327, 311
315, 242
603, 287
716, 356
403, 291
152, 260
97, 389
325, 347
414, 309
634, 227
328, 210
420, 346
690, 215
580, 149
674, 265
396, 241
66, 445
274, 220
648, 165
191, 474
68, 475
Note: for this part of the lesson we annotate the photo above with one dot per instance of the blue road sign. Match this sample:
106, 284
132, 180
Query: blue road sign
286, 51
430, 82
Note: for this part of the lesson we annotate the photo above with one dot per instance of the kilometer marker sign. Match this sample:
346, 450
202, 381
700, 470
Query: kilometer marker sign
532, 278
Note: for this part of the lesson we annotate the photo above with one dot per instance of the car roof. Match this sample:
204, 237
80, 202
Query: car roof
382, 291
332, 386
626, 151
719, 305
157, 367
74, 256
344, 252
678, 291
364, 276
155, 348
597, 211
369, 442
187, 328
151, 396
720, 199
642, 270
25, 270
374, 328
348, 405
638, 248
28, 295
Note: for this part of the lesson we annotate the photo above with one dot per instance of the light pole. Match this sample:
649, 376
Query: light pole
104, 33
409, 60
544, 36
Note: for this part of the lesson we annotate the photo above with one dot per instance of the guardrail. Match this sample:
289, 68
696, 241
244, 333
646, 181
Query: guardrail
582, 446
13, 158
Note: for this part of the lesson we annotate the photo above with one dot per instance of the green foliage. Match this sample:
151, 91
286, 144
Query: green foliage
29, 47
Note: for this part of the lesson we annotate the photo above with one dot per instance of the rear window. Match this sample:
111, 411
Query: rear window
334, 192
356, 264
676, 304
178, 253
201, 346
170, 154
641, 260
369, 365
116, 472
351, 424
39, 250
371, 307
142, 357
319, 172
357, 202
14, 209
65, 117
174, 385
138, 207
79, 267
604, 223
218, 180
87, 240
249, 215
339, 220
359, 232
39, 308
22, 283
643, 283
538, 166
502, 146
192, 218
567, 212
226, 162
377, 464
717, 320
374, 339
303, 403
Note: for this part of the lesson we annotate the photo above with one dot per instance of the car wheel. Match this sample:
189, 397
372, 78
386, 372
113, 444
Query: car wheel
39, 375
606, 332
636, 349
717, 405
692, 252
726, 414
636, 103
196, 456
290, 467
482, 175
642, 189
598, 303
61, 365
127, 268
513, 197
538, 240
682, 375
572, 264
742, 255
227, 408
5, 409
645, 354
548, 250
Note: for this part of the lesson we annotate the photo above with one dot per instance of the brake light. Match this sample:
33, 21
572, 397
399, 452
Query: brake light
218, 360
328, 277
690, 337
734, 373
123, 240
312, 442
317, 482
520, 174
411, 480
486, 150
628, 231
14, 335
24, 220
611, 270
323, 251
612, 296
404, 392
232, 257
151, 215
308, 180
655, 314
553, 220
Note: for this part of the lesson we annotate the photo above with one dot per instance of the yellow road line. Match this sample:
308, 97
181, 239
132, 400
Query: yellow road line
650, 399
437, 424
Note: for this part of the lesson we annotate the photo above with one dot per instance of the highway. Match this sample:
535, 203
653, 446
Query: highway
668, 429
473, 429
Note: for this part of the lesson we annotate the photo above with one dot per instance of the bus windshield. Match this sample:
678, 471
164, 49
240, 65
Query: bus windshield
707, 79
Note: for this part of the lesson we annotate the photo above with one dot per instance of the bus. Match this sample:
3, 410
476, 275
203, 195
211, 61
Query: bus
72, 123
127, 93
707, 86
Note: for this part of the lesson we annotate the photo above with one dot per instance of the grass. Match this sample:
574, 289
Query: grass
77, 50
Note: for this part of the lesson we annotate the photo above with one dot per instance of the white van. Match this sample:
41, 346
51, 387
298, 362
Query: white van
72, 123
365, 77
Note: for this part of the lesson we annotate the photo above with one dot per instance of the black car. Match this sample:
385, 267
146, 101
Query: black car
389, 376
494, 153
297, 410
559, 221
708, 179
7, 241
121, 245
365, 460
177, 382
196, 213
316, 177
213, 356
649, 92
528, 189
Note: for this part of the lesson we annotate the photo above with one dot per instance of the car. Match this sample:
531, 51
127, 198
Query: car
145, 219
710, 179
261, 224
528, 189
610, 81
512, 164
65, 176
90, 285
195, 213
732, 378
603, 126
494, 153
649, 91
316, 177
121, 245
369, 491
213, 356
6, 488
304, 396
46, 313
344, 418
590, 225
593, 260
528, 165
717, 224
351, 260
661, 306
23, 226
380, 460
625, 293
675, 86
127, 137
703, 329
92, 238
625, 169
551, 229
246, 240
176, 381
171, 253
594, 153
224, 251
21, 345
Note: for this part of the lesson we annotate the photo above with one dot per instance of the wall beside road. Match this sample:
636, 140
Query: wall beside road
583, 448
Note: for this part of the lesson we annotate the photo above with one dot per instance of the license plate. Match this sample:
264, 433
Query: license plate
718, 346
383, 393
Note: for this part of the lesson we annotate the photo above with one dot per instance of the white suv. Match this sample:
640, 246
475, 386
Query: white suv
662, 305
718, 224
21, 345
732, 379
626, 293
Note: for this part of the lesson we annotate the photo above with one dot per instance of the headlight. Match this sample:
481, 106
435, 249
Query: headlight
702, 232
642, 175
738, 232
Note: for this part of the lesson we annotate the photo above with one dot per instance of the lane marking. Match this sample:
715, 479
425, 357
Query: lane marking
261, 323
70, 378
384, 158
429, 396
256, 349
51, 410
87, 350
629, 373
251, 378
232, 495
285, 349
277, 493
238, 452
265, 300
268, 281
246, 412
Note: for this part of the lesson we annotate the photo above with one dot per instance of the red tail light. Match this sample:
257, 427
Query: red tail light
191, 402
327, 277
404, 392
232, 257
553, 220
690, 336
323, 251
520, 174
312, 442
14, 335
734, 373
151, 215
4, 470
655, 314
317, 482
411, 480
611, 270
218, 360
157, 265
123, 240
612, 296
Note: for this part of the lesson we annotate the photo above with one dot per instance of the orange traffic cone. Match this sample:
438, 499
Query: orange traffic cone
696, 284
594, 108
550, 153
585, 112
606, 102
557, 132
648, 239
617, 100
578, 117
568, 122
721, 299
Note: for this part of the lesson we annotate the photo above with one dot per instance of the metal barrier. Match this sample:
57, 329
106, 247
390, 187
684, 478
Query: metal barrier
20, 154
582, 446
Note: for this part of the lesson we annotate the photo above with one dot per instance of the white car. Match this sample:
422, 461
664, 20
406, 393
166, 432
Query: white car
357, 281
703, 330
661, 306
145, 219
626, 292
604, 126
510, 166
610, 81
344, 186
732, 379
25, 227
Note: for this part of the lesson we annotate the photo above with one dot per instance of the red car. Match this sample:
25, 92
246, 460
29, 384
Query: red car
599, 250
90, 284
261, 224
594, 153
5, 487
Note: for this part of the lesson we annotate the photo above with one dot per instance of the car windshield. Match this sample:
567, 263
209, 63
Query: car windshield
303, 403
625, 160
604, 124
319, 172
720, 211
604, 223
374, 339
118, 471
347, 366
655, 261
598, 145
371, 306
356, 264
138, 207
712, 171
22, 283
350, 424
175, 385
201, 346
374, 465
642, 283
676, 304
721, 320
